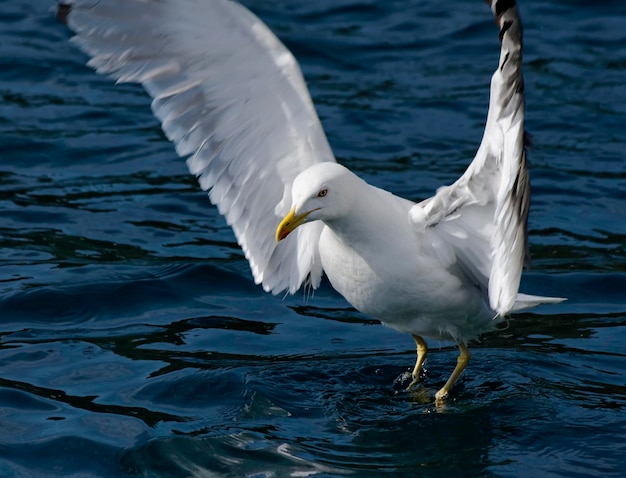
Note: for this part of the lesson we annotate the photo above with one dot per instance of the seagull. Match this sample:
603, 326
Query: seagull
233, 100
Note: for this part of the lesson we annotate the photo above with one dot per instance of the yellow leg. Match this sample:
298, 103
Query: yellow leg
461, 363
422, 351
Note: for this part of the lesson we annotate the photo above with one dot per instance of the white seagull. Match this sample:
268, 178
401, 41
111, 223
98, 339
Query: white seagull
232, 99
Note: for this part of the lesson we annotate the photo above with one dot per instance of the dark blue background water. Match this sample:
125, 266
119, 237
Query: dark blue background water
133, 341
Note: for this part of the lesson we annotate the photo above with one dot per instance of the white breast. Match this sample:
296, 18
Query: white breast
385, 272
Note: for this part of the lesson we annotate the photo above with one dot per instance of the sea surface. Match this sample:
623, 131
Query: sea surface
133, 341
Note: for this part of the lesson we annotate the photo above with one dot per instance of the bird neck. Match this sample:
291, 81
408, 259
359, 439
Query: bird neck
372, 218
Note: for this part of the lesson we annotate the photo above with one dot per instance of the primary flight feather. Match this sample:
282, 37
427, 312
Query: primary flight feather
232, 99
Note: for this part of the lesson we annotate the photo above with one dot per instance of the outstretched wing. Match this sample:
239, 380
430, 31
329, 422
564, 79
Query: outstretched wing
233, 100
479, 222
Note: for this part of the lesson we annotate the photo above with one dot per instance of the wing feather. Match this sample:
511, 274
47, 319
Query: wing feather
233, 100
483, 216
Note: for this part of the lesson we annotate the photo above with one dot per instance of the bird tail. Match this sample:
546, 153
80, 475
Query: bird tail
525, 301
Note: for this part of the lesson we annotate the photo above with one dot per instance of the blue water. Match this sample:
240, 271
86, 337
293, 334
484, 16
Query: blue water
133, 341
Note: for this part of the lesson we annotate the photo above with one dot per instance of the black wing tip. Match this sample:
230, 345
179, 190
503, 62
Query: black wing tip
528, 140
499, 9
502, 6
63, 10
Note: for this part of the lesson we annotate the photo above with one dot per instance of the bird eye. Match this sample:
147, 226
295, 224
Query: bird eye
322, 193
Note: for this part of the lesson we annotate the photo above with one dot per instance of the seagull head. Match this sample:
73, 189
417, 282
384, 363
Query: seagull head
322, 192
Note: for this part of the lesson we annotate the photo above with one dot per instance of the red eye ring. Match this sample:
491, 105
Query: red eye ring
322, 193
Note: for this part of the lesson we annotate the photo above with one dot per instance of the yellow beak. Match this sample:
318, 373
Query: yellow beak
289, 223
